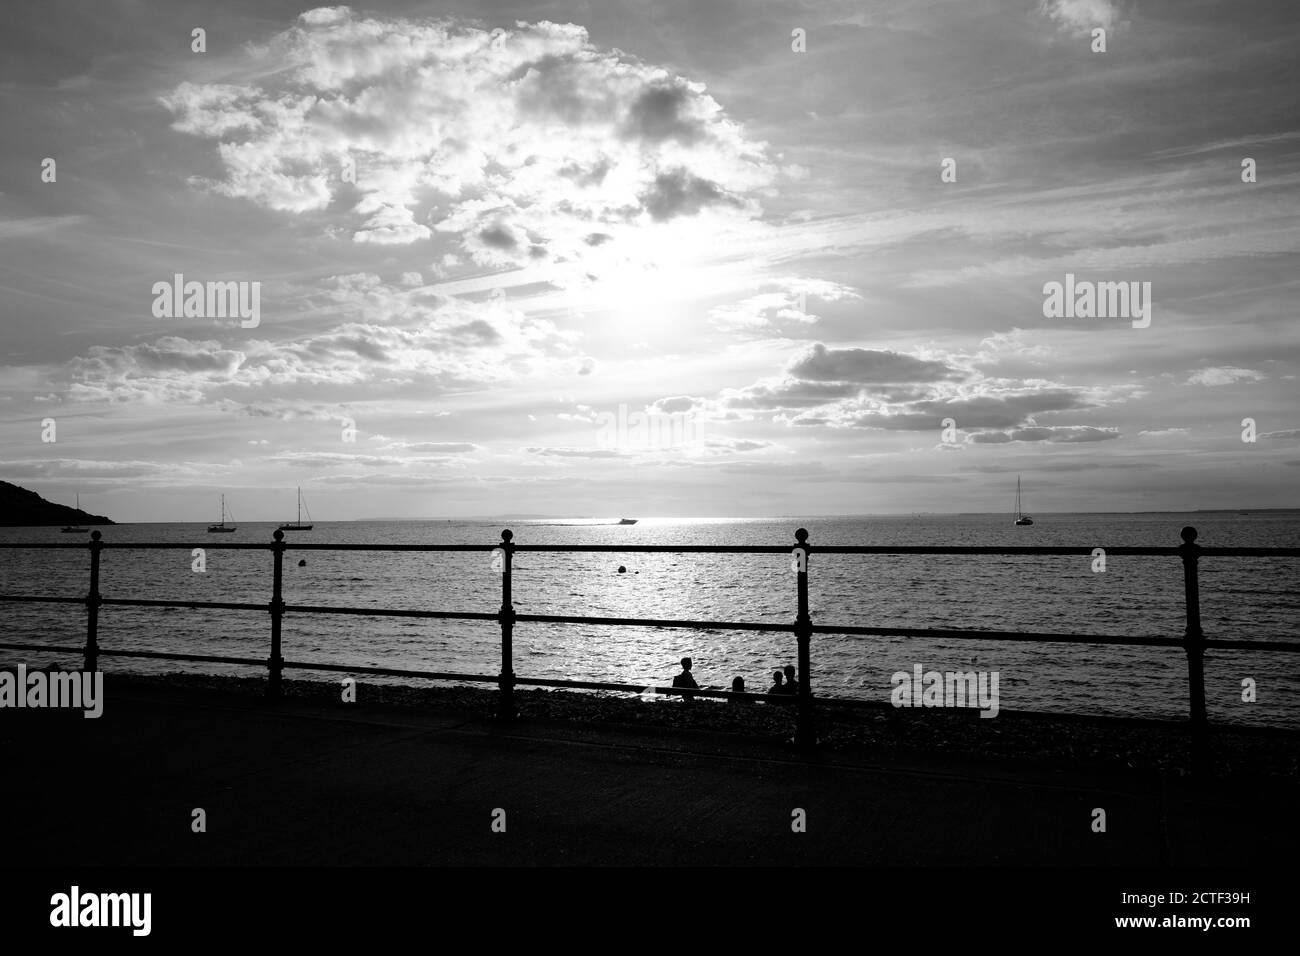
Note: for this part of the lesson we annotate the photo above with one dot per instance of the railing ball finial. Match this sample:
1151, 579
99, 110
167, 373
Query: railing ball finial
95, 535
1188, 535
279, 535
507, 535
801, 535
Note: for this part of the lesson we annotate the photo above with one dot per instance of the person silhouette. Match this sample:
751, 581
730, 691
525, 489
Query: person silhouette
791, 685
777, 687
684, 679
738, 687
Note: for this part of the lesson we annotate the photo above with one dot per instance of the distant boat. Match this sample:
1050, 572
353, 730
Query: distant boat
221, 527
627, 521
297, 525
1021, 518
72, 528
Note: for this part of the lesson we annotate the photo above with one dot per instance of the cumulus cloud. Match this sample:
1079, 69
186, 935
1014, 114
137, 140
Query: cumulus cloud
867, 366
396, 337
171, 369
676, 404
786, 304
883, 389
1224, 375
536, 146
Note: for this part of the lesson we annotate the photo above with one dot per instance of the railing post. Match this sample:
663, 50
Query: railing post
1194, 644
506, 616
805, 736
275, 664
93, 600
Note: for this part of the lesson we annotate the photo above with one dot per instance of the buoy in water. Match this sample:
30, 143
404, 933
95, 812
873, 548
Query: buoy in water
302, 563
622, 570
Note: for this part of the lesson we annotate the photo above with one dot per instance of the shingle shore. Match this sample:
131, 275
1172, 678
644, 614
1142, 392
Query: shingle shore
923, 734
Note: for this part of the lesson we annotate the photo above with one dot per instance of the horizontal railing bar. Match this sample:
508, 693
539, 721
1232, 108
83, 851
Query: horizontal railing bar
1249, 552
844, 549
858, 630
975, 635
652, 622
75, 648
1253, 646
389, 671
145, 602
205, 658
1054, 549
146, 545
291, 546
390, 612
39, 597
45, 545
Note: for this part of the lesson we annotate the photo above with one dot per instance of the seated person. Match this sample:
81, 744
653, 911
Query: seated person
684, 679
791, 685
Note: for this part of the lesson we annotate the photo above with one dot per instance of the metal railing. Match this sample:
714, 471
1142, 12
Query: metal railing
1194, 643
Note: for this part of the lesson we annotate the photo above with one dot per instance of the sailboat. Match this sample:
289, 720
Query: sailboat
1021, 518
297, 525
222, 527
72, 528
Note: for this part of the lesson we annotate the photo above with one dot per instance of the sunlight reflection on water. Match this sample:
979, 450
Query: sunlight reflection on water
1241, 598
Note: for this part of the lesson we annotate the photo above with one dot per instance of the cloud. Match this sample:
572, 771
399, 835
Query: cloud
575, 452
403, 338
724, 446
679, 193
788, 304
883, 389
983, 405
1081, 16
1055, 434
1162, 432
867, 366
675, 404
1014, 346
1224, 375
434, 447
26, 468
538, 146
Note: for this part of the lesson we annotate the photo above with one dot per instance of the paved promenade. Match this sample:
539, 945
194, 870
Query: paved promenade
306, 784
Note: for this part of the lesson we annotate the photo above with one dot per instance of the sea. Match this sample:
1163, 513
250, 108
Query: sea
1241, 598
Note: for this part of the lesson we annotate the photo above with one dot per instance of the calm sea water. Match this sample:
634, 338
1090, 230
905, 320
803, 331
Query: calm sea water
1244, 598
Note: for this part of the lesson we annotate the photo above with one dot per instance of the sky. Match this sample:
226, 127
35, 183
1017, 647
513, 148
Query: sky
644, 258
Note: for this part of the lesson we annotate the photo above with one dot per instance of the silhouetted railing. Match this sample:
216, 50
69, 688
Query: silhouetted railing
1194, 643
